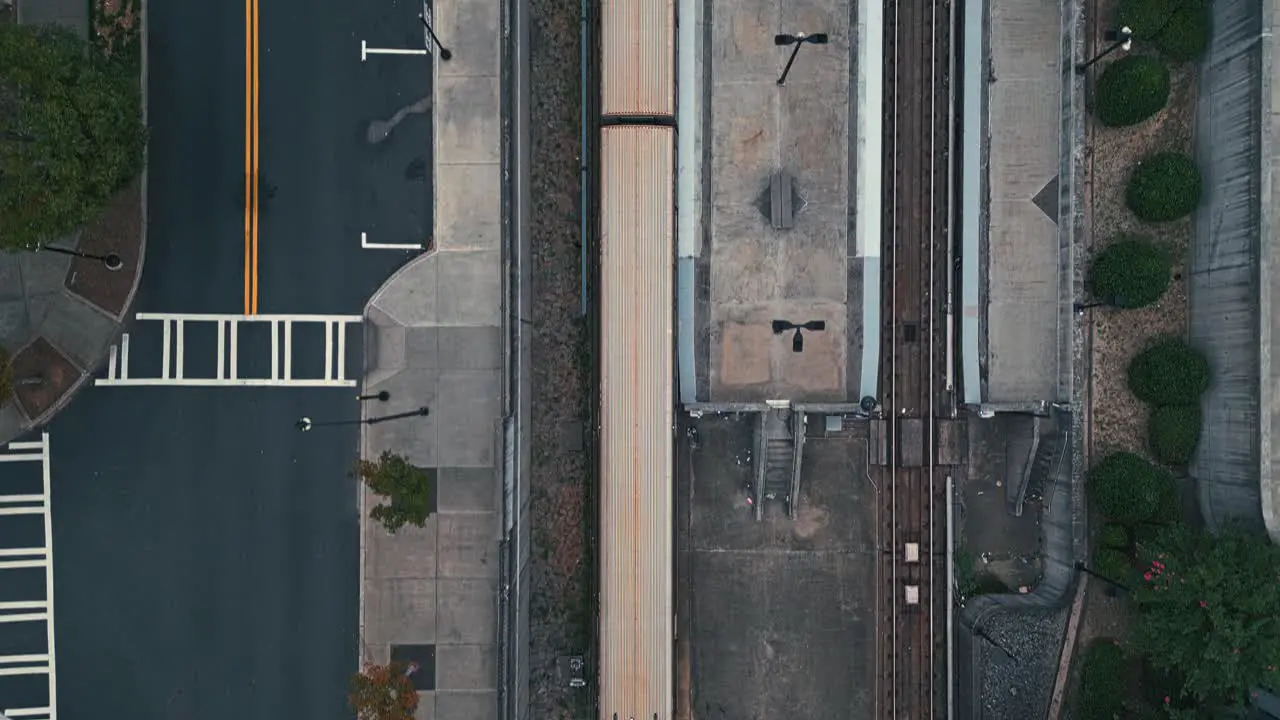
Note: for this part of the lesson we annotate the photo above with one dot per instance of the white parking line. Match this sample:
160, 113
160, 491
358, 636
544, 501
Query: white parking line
366, 51
173, 354
29, 664
365, 244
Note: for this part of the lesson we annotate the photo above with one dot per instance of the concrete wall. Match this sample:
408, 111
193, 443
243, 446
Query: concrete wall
1226, 316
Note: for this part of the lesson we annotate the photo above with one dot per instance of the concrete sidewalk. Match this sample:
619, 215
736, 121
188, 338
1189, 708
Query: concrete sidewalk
435, 339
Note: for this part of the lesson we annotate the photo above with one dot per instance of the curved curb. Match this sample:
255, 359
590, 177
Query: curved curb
75, 387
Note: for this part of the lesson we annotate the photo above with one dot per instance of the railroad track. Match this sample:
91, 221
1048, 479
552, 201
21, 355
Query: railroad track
917, 47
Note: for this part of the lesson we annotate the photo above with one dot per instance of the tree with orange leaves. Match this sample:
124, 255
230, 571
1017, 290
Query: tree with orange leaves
384, 692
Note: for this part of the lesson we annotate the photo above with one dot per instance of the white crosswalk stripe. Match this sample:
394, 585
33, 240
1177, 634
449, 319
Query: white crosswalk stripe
173, 360
22, 558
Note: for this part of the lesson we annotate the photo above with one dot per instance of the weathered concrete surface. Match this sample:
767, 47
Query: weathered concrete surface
758, 274
782, 610
1023, 269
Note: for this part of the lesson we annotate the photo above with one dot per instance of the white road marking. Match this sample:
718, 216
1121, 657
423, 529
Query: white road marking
124, 356
173, 354
28, 664
365, 244
168, 342
366, 51
111, 361
178, 368
222, 350
18, 458
288, 349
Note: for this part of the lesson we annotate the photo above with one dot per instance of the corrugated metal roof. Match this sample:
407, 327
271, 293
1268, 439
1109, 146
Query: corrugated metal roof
637, 63
636, 445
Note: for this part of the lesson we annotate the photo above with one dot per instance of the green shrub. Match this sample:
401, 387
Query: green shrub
1131, 490
1180, 28
1131, 272
1132, 89
1170, 372
1112, 564
1103, 679
1114, 536
1164, 186
1174, 432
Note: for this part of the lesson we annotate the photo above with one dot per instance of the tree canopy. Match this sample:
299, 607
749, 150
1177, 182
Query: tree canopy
408, 490
1180, 28
383, 692
1209, 611
71, 132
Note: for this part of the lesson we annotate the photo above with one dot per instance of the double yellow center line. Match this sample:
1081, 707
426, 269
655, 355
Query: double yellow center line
251, 157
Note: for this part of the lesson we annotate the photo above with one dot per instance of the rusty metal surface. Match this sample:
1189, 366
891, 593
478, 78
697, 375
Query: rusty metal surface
636, 444
637, 65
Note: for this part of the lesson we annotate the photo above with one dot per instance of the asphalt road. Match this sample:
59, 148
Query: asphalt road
206, 553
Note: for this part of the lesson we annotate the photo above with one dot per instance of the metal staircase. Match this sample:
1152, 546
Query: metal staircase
778, 472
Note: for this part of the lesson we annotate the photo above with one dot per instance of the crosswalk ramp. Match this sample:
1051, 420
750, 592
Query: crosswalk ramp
26, 582
215, 350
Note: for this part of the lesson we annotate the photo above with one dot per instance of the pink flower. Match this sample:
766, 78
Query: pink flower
1204, 604
1166, 699
1146, 576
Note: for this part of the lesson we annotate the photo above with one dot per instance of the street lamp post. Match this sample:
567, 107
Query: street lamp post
797, 340
798, 39
111, 261
1085, 569
382, 396
444, 51
1115, 301
1125, 41
306, 424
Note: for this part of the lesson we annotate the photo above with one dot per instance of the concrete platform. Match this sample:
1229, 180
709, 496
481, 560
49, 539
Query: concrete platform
1022, 276
781, 610
756, 273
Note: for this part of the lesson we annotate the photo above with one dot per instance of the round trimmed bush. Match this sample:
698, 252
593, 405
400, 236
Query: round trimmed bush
1169, 372
1114, 536
1132, 272
1132, 89
1103, 679
1174, 432
1131, 490
1165, 186
1180, 28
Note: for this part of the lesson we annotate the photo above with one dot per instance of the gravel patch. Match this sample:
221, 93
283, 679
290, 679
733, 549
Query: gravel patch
560, 566
1019, 687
